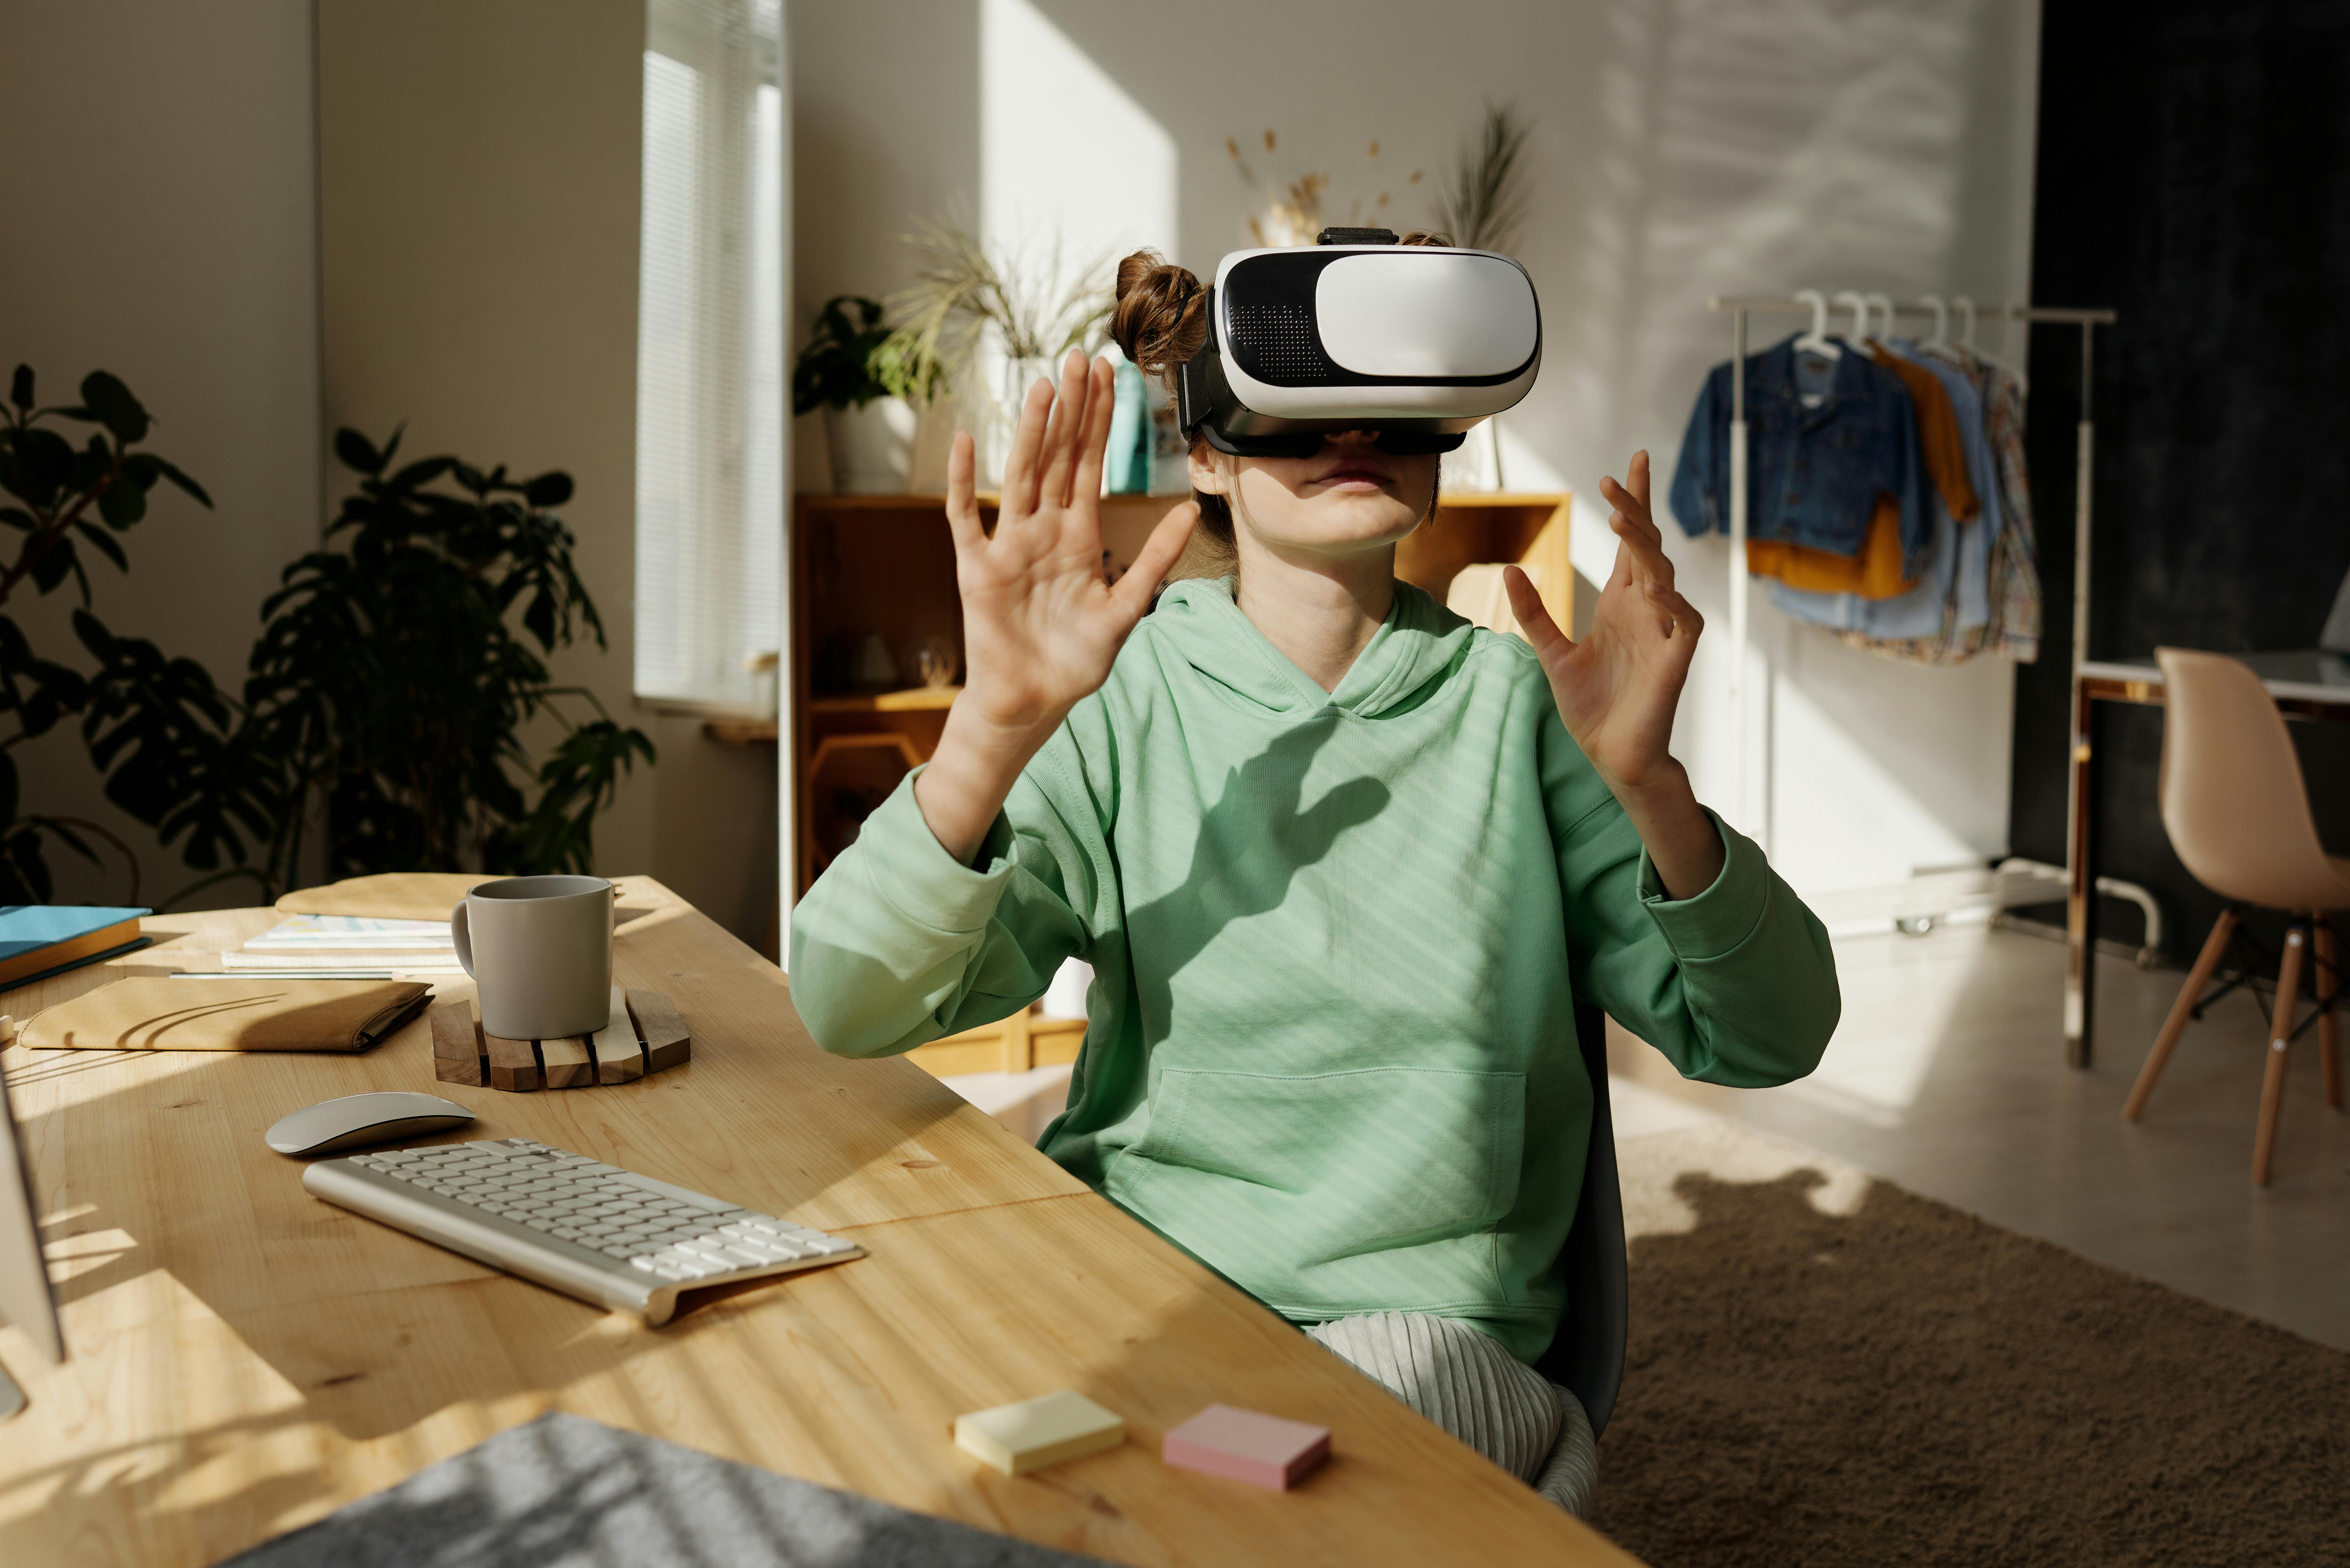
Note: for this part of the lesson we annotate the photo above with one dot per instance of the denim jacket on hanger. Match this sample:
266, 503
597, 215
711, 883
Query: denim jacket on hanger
1813, 474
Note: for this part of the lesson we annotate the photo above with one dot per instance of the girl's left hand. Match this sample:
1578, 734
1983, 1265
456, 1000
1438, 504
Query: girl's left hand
1617, 687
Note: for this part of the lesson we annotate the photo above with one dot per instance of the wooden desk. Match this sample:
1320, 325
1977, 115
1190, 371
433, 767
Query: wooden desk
2307, 683
246, 1358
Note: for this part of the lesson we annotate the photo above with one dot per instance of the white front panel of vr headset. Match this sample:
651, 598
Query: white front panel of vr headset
1427, 315
1423, 311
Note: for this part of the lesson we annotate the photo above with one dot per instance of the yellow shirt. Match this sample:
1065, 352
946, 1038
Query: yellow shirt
1873, 573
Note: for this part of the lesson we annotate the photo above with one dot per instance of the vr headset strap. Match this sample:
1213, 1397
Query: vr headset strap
1200, 384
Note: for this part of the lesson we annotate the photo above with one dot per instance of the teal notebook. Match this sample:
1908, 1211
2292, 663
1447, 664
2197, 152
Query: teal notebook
37, 941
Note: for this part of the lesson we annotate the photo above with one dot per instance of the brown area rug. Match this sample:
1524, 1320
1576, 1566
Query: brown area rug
1832, 1371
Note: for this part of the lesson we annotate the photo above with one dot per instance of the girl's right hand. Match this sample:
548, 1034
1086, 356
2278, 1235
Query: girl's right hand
1040, 627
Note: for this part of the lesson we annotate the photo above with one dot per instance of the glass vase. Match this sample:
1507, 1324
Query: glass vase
1010, 377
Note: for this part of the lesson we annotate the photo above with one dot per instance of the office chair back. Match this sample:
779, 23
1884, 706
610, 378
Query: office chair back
1587, 1355
2232, 797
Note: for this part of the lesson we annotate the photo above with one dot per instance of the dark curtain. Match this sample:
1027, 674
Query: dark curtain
2194, 173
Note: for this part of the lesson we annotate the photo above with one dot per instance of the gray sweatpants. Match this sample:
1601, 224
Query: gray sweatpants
1466, 1383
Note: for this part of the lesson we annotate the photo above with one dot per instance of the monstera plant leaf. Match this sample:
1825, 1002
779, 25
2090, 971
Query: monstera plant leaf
152, 725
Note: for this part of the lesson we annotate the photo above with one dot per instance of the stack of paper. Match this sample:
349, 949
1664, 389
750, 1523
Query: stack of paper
320, 945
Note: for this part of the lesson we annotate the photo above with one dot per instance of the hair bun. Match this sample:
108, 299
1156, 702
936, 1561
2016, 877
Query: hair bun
1161, 315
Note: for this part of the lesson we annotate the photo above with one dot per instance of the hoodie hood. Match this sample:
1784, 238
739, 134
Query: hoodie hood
1421, 641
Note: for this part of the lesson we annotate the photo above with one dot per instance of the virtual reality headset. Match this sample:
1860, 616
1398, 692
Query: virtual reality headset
1358, 332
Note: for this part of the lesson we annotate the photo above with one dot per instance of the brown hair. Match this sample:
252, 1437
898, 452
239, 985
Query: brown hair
1160, 320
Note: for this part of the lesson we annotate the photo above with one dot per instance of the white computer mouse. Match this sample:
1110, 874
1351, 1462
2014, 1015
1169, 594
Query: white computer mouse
356, 1121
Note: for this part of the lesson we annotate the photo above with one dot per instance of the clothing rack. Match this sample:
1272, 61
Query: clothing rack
1739, 307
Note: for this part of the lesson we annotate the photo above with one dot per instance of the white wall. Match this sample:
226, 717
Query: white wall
162, 224
479, 180
480, 251
1682, 148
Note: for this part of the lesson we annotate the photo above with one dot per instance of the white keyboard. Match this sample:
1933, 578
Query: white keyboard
591, 1231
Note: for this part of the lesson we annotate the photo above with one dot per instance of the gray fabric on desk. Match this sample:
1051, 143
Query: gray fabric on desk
566, 1492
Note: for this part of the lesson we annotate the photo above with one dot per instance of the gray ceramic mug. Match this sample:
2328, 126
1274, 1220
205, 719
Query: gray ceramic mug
540, 951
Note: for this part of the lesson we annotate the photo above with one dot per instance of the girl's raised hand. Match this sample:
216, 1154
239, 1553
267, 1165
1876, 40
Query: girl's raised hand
1616, 689
1040, 627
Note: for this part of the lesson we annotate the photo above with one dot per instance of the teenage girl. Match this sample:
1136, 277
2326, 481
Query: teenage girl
1342, 865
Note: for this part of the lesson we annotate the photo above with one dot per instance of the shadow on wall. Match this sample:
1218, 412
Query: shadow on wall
1829, 1369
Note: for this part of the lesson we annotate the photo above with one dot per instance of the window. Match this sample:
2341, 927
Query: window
710, 406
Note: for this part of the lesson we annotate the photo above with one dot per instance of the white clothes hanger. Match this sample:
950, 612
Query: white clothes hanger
1883, 303
1942, 337
1816, 341
1967, 310
1859, 314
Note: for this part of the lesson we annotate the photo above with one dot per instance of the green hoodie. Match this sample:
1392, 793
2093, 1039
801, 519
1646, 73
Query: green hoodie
1335, 940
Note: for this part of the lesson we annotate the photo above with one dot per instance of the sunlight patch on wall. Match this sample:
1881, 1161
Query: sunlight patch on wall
1068, 158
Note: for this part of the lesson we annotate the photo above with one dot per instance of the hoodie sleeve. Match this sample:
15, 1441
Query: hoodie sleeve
898, 944
1736, 985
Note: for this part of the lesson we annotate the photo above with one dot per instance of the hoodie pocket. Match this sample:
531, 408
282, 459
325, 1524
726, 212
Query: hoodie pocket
1377, 1187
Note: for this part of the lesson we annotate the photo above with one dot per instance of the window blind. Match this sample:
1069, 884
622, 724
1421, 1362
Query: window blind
709, 407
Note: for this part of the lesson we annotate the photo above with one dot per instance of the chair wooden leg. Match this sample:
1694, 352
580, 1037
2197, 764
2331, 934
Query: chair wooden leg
2329, 1055
2280, 1031
2181, 1011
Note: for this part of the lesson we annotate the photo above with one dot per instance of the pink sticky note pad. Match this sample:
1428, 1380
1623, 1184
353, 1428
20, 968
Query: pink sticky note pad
1263, 1451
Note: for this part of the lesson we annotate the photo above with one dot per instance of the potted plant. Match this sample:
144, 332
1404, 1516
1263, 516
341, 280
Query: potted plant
868, 427
1015, 315
391, 689
156, 727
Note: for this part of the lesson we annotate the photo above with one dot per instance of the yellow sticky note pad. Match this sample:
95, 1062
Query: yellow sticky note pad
1017, 1438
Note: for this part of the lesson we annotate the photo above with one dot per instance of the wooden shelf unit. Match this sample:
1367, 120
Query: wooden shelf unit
885, 564
907, 700
1529, 528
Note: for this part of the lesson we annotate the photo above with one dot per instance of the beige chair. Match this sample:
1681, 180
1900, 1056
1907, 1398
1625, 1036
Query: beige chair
2238, 813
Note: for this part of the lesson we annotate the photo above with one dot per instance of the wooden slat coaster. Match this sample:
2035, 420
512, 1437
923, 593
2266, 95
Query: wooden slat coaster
457, 1045
646, 1034
569, 1065
668, 1041
619, 1054
513, 1066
